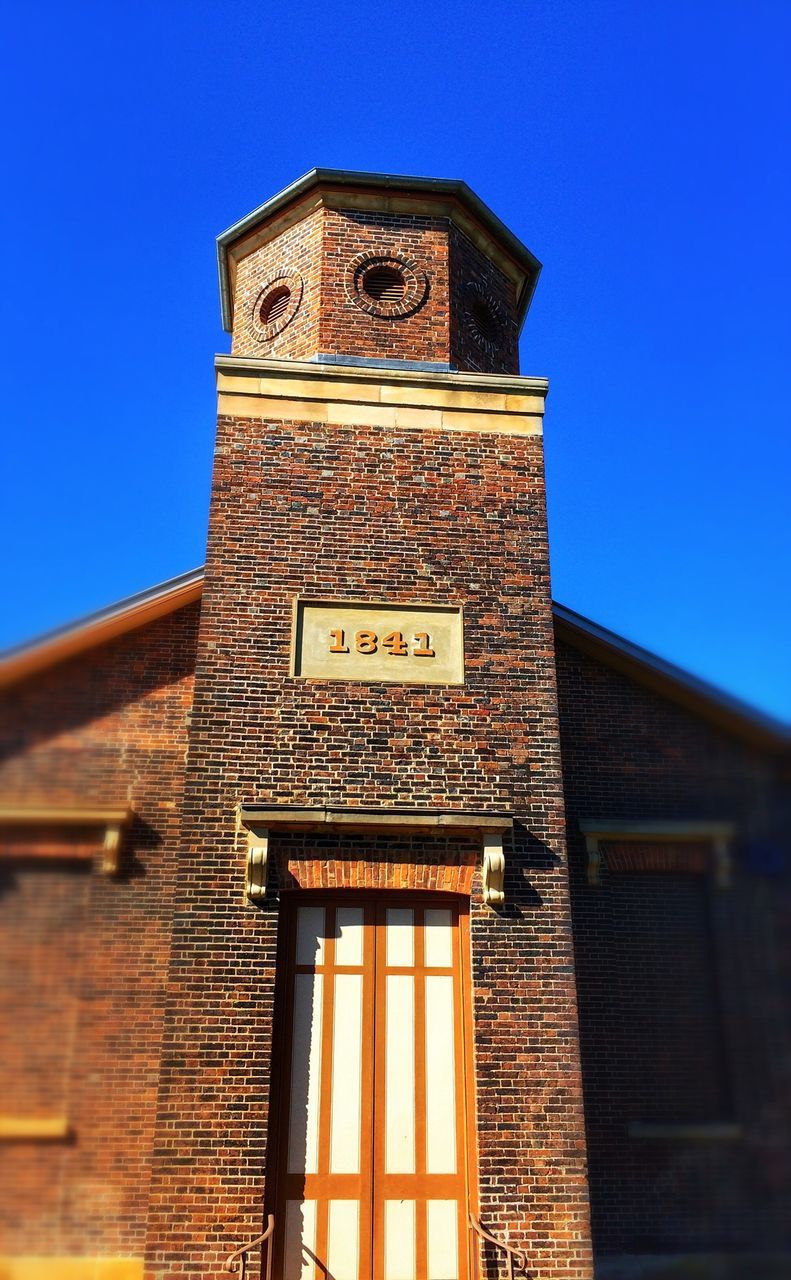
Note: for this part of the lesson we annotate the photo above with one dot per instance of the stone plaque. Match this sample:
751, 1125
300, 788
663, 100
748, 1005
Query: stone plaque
378, 643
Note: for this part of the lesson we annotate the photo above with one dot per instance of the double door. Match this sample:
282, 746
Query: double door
372, 1165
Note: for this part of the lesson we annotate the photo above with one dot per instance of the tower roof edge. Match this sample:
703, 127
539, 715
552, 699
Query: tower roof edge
452, 193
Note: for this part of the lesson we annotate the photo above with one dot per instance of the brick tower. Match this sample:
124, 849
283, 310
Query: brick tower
370, 1031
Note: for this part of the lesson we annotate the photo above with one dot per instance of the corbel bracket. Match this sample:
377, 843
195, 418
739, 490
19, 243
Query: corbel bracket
594, 859
256, 864
493, 869
111, 848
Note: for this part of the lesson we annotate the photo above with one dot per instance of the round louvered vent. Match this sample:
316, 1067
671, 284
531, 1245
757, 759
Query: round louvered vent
484, 321
274, 305
384, 284
389, 285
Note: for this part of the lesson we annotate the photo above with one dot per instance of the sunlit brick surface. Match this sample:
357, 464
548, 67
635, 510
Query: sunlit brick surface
301, 509
82, 998
322, 245
143, 1007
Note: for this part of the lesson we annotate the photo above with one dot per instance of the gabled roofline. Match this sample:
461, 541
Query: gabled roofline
670, 681
640, 665
449, 188
98, 628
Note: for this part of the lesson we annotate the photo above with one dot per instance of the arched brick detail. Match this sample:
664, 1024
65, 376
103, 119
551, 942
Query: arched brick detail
673, 858
447, 868
415, 283
338, 873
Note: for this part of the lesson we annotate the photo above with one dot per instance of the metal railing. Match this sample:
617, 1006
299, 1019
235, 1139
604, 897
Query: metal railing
238, 1259
511, 1253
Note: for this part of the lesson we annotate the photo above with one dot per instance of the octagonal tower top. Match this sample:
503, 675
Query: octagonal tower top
376, 269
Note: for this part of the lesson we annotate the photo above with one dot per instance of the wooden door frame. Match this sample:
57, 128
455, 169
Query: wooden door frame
279, 1091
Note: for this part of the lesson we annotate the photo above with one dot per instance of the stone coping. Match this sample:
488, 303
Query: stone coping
57, 1267
311, 817
351, 395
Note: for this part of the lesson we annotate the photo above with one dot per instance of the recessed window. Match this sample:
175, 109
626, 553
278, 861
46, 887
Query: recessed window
384, 283
274, 304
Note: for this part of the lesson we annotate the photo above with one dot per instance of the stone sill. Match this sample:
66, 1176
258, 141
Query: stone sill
694, 1266
34, 1128
717, 1132
70, 1268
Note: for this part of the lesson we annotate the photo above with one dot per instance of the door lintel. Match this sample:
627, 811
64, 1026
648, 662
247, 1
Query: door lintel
259, 820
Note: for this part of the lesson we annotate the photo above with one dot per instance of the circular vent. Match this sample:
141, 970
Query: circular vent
389, 285
384, 284
484, 321
274, 304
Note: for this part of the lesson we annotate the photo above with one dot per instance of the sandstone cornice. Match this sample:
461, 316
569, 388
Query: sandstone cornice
351, 395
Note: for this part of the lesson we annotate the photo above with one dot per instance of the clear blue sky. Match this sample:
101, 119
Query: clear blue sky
640, 149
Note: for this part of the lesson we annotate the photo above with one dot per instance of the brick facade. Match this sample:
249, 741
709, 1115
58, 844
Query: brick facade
323, 256
297, 250
473, 277
361, 513
682, 984
143, 1006
83, 1012
92, 724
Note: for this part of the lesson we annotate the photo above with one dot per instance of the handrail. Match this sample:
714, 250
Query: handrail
241, 1253
237, 1261
508, 1249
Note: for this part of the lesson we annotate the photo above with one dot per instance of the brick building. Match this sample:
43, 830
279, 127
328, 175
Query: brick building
356, 893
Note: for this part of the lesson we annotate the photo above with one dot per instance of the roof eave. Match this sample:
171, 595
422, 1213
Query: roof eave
639, 664
453, 187
98, 628
670, 681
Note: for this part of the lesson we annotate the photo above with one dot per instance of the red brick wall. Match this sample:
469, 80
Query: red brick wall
81, 1000
301, 508
348, 330
475, 278
43, 909
323, 247
682, 986
299, 249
